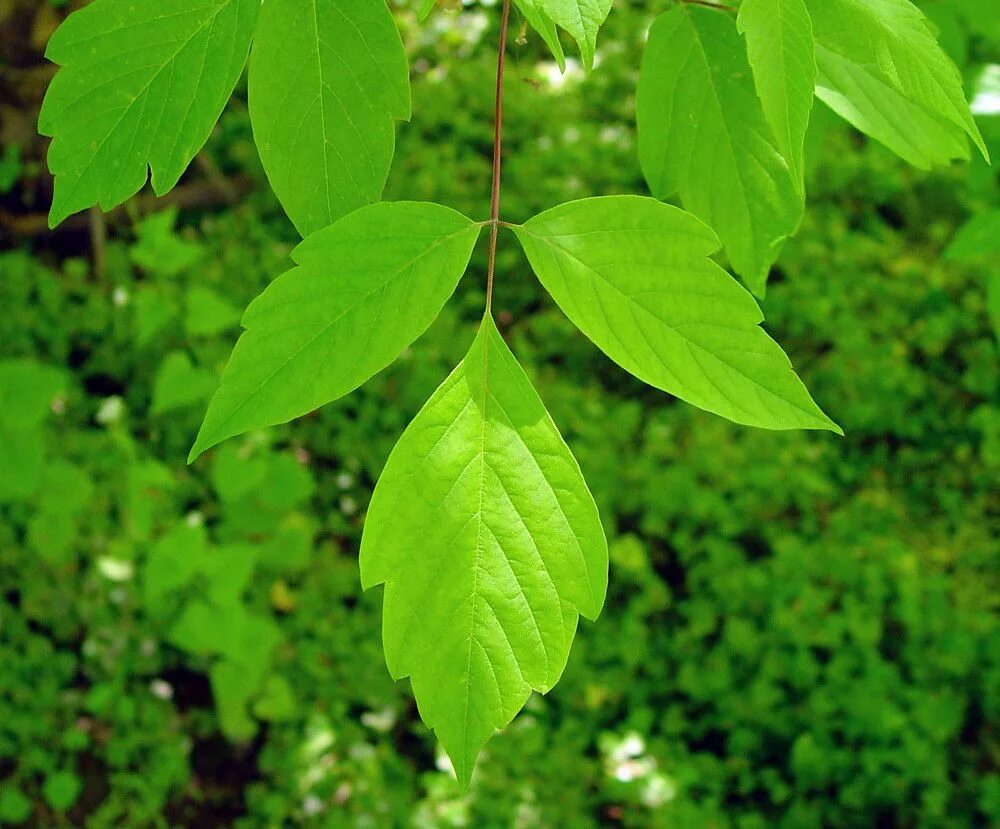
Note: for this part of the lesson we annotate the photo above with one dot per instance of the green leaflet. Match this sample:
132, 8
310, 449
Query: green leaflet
327, 80
860, 95
634, 275
142, 84
702, 135
580, 18
891, 41
489, 544
534, 13
365, 288
780, 49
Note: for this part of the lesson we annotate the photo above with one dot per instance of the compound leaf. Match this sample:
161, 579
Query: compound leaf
634, 275
780, 49
702, 135
327, 79
891, 41
365, 288
490, 546
142, 84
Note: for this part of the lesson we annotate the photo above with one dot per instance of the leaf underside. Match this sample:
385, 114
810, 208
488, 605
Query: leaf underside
860, 95
490, 546
882, 70
328, 79
365, 288
634, 275
140, 88
703, 136
581, 19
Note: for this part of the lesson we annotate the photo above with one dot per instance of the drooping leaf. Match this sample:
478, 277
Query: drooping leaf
781, 52
580, 18
536, 17
327, 80
702, 135
142, 84
365, 288
634, 275
489, 544
892, 41
862, 96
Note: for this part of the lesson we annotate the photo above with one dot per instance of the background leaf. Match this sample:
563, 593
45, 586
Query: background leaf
702, 135
366, 287
327, 79
141, 85
489, 544
634, 275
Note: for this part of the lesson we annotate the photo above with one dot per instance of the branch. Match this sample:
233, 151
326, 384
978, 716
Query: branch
497, 137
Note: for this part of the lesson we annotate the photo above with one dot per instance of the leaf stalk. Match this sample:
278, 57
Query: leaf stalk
497, 146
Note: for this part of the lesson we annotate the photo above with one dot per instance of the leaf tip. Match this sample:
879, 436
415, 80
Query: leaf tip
201, 445
462, 768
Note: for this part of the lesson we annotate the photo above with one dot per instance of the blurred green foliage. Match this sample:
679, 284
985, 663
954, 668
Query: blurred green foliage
801, 631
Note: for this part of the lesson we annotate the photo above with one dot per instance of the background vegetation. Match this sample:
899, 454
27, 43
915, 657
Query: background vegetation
802, 631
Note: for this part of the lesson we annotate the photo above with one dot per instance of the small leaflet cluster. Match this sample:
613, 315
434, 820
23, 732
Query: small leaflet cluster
481, 527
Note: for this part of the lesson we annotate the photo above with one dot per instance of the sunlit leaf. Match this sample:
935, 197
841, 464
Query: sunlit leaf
365, 288
890, 42
327, 80
634, 275
780, 49
142, 84
489, 544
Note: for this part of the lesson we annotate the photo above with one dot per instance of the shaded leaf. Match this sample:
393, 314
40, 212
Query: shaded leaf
178, 383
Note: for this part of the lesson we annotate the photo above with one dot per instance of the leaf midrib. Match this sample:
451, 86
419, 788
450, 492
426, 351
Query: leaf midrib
673, 328
326, 327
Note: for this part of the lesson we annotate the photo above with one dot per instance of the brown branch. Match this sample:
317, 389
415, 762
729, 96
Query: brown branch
193, 195
98, 239
497, 134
